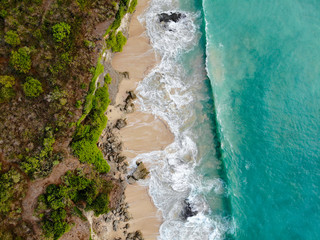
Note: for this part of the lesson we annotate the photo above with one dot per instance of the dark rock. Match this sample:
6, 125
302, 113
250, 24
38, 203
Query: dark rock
115, 225
120, 123
131, 96
187, 210
175, 17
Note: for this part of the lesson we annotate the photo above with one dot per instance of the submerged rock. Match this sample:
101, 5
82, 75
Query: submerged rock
173, 16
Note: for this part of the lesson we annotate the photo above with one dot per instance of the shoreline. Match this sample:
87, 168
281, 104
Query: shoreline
143, 132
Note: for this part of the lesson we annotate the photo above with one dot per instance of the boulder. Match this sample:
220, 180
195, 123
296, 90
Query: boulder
173, 16
131, 180
115, 225
120, 123
188, 211
141, 172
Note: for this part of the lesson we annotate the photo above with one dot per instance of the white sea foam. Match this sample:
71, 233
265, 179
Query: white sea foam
169, 93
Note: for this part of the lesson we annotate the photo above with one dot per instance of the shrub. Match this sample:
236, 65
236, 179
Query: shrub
83, 3
6, 94
88, 151
85, 140
100, 205
32, 87
3, 13
78, 104
116, 42
55, 204
12, 38
7, 189
7, 81
133, 6
89, 44
61, 31
107, 79
21, 60
117, 21
125, 3
38, 165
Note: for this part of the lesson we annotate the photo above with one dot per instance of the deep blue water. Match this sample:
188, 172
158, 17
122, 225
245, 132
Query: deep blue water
263, 60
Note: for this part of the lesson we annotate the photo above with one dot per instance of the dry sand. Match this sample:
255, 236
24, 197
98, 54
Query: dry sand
144, 132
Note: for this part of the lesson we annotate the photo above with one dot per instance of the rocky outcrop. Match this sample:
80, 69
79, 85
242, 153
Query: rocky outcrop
121, 123
140, 172
187, 210
173, 16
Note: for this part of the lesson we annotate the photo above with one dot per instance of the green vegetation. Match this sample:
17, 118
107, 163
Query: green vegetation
61, 31
47, 48
133, 6
89, 44
107, 79
40, 165
85, 140
6, 94
116, 42
59, 201
7, 189
6, 88
7, 81
12, 38
90, 95
83, 3
32, 87
21, 60
123, 9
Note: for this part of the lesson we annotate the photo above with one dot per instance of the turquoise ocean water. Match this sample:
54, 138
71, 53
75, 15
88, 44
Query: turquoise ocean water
238, 83
263, 59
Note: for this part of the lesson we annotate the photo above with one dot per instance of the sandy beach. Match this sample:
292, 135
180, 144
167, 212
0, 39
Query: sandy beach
144, 132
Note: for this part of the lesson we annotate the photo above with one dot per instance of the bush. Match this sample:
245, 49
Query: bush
61, 31
55, 204
32, 87
21, 60
12, 38
133, 6
107, 79
37, 165
7, 81
8, 180
100, 205
88, 151
117, 21
85, 140
116, 42
89, 44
